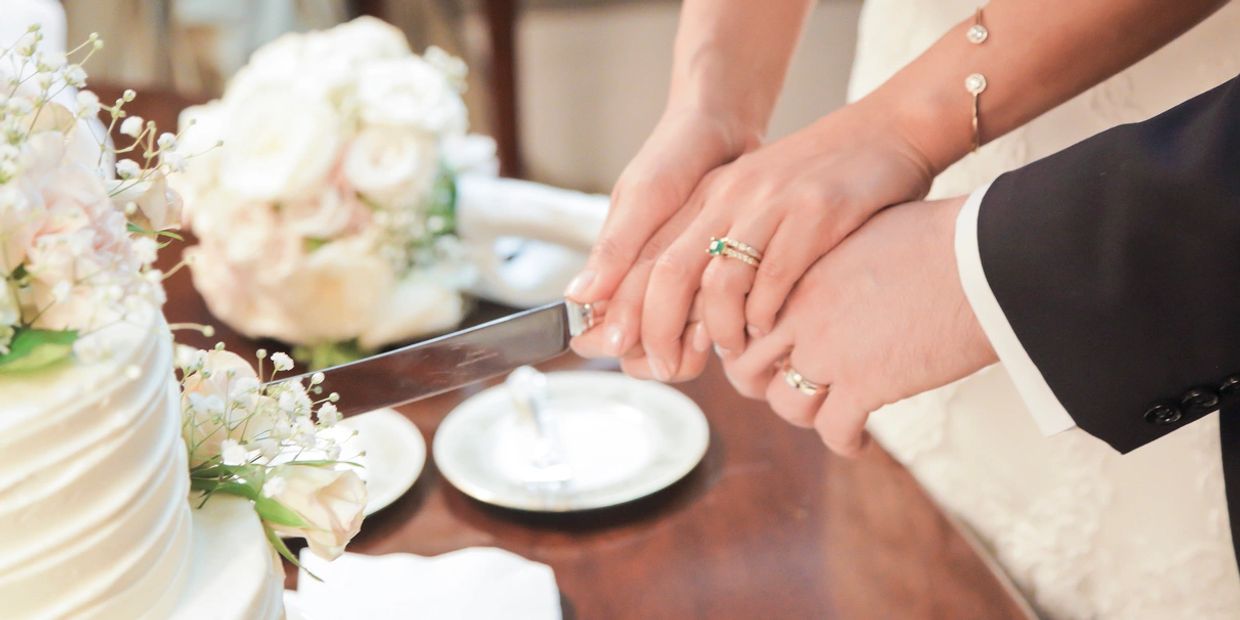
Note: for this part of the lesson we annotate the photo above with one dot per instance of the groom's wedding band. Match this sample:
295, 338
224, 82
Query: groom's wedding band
731, 248
798, 382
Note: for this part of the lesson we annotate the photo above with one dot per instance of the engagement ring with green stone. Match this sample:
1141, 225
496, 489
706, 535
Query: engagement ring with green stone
731, 248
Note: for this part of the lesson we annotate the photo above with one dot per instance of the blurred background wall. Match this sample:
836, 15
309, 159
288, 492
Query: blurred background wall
590, 75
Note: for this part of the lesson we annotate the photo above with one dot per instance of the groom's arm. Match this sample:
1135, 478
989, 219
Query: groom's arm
1107, 276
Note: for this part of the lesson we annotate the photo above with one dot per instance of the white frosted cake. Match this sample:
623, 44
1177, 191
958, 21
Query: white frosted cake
95, 515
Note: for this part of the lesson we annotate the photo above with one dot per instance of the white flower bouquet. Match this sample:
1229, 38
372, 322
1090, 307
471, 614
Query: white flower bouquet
325, 216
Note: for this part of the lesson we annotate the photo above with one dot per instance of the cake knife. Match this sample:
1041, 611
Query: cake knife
445, 363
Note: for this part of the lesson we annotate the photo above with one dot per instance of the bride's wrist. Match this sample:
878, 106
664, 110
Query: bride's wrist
737, 131
933, 124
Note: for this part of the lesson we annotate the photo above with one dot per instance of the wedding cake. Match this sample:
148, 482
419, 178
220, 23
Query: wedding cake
93, 496
138, 478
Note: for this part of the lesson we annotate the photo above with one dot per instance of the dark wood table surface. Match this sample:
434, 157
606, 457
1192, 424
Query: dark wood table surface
769, 525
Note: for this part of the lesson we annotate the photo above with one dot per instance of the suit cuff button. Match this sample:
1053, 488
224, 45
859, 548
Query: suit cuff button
1162, 414
1199, 400
1230, 386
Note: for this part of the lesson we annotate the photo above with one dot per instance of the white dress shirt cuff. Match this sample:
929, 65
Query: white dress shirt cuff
1048, 413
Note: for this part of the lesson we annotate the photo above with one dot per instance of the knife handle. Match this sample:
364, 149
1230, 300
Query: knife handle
581, 317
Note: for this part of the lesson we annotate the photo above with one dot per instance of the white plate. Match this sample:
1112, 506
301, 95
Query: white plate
395, 454
623, 439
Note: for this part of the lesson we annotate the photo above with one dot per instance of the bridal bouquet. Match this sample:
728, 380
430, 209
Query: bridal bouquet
325, 216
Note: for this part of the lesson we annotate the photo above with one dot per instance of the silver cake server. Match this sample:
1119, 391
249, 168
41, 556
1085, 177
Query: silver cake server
454, 360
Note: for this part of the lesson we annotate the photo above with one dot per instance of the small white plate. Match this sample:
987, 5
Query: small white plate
395, 454
622, 438
293, 608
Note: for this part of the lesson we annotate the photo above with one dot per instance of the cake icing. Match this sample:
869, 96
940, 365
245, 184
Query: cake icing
93, 493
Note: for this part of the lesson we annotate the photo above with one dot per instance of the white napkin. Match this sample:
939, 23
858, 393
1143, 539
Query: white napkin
474, 583
556, 227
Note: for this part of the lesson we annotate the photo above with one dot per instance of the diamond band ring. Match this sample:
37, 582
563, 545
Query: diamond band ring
731, 248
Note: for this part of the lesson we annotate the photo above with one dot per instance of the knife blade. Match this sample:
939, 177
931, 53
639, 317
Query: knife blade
451, 361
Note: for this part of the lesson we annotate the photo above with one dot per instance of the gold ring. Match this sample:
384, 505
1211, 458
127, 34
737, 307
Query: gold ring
730, 248
742, 247
798, 382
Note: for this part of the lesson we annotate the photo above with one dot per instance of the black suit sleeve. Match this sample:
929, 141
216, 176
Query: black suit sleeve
1117, 264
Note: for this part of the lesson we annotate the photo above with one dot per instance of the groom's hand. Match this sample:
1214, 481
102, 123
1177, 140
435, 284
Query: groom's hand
880, 318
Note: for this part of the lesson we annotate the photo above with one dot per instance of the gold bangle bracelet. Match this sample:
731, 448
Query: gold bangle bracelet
975, 83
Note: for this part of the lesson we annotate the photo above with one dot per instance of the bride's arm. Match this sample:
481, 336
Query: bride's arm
1039, 54
731, 56
796, 198
729, 65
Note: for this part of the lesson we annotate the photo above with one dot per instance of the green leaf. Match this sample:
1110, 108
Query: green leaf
272, 511
222, 471
443, 202
326, 355
33, 349
278, 544
242, 489
139, 230
313, 243
326, 463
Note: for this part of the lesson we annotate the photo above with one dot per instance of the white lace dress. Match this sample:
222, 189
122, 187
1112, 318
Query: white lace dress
1084, 531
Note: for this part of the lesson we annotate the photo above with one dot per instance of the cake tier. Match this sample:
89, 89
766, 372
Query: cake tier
236, 573
93, 510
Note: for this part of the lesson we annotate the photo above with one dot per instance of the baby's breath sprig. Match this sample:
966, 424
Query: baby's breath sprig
248, 432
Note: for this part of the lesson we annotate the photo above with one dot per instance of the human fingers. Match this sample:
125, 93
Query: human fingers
840, 421
673, 287
791, 251
751, 371
727, 280
798, 388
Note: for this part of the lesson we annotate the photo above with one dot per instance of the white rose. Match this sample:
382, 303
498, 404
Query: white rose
220, 403
278, 145
421, 304
336, 291
159, 207
392, 166
275, 64
21, 214
364, 38
201, 129
409, 91
331, 502
242, 295
255, 239
10, 309
326, 215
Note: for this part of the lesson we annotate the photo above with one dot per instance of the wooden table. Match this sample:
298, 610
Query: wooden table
770, 525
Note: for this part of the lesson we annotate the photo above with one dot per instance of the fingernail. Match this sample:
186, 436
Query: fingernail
701, 339
579, 285
659, 370
615, 340
722, 352
754, 331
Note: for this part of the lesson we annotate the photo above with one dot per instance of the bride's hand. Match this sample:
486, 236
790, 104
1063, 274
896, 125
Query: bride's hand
793, 201
684, 146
